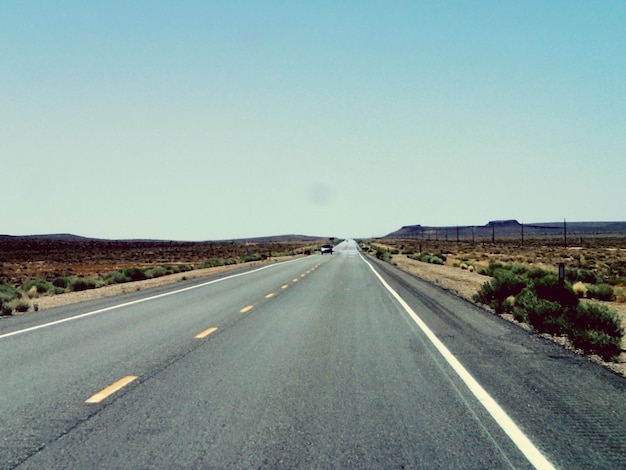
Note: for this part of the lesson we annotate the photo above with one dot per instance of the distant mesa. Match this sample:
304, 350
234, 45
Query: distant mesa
506, 228
503, 223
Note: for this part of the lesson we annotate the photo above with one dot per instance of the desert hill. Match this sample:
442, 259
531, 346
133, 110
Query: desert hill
509, 228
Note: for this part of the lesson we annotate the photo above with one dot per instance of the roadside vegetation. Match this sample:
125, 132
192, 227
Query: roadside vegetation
523, 284
537, 297
20, 297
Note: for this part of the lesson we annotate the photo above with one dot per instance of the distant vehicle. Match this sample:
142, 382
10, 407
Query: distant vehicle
326, 249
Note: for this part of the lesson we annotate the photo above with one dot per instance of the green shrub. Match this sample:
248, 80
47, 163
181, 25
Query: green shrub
428, 258
135, 274
212, 262
183, 268
382, 254
152, 273
81, 284
555, 301
600, 291
493, 266
496, 292
545, 316
8, 293
22, 306
252, 257
115, 277
61, 282
585, 276
4, 308
596, 329
549, 288
37, 286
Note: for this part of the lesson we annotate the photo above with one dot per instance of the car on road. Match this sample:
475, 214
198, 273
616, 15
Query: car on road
326, 249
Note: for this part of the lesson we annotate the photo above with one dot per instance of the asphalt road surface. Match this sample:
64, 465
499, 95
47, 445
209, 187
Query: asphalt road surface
327, 361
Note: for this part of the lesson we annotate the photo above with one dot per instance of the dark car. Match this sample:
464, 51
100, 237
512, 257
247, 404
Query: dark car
326, 249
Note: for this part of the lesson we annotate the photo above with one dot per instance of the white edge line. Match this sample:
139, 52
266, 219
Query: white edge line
523, 443
126, 304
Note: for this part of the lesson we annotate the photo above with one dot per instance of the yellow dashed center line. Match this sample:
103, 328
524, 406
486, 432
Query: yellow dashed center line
246, 309
205, 333
284, 286
295, 280
270, 295
111, 389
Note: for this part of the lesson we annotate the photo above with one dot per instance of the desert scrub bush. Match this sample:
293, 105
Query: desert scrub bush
496, 291
551, 306
5, 309
596, 330
428, 258
247, 258
585, 276
493, 266
382, 254
115, 277
600, 291
34, 287
21, 306
152, 273
81, 284
212, 262
62, 282
8, 293
550, 288
545, 316
135, 274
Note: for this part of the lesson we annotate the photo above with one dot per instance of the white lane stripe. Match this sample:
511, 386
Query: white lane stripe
523, 443
126, 304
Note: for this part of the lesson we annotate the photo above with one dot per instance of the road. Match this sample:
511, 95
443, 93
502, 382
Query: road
333, 361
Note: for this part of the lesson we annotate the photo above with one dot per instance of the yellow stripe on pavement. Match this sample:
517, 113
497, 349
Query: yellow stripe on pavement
205, 333
111, 389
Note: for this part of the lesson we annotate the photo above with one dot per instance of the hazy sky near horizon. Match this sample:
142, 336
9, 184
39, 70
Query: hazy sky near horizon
207, 120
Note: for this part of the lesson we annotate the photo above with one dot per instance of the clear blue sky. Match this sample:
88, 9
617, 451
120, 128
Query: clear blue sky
206, 120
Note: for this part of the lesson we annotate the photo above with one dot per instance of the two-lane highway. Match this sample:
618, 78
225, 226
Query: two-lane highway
326, 361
